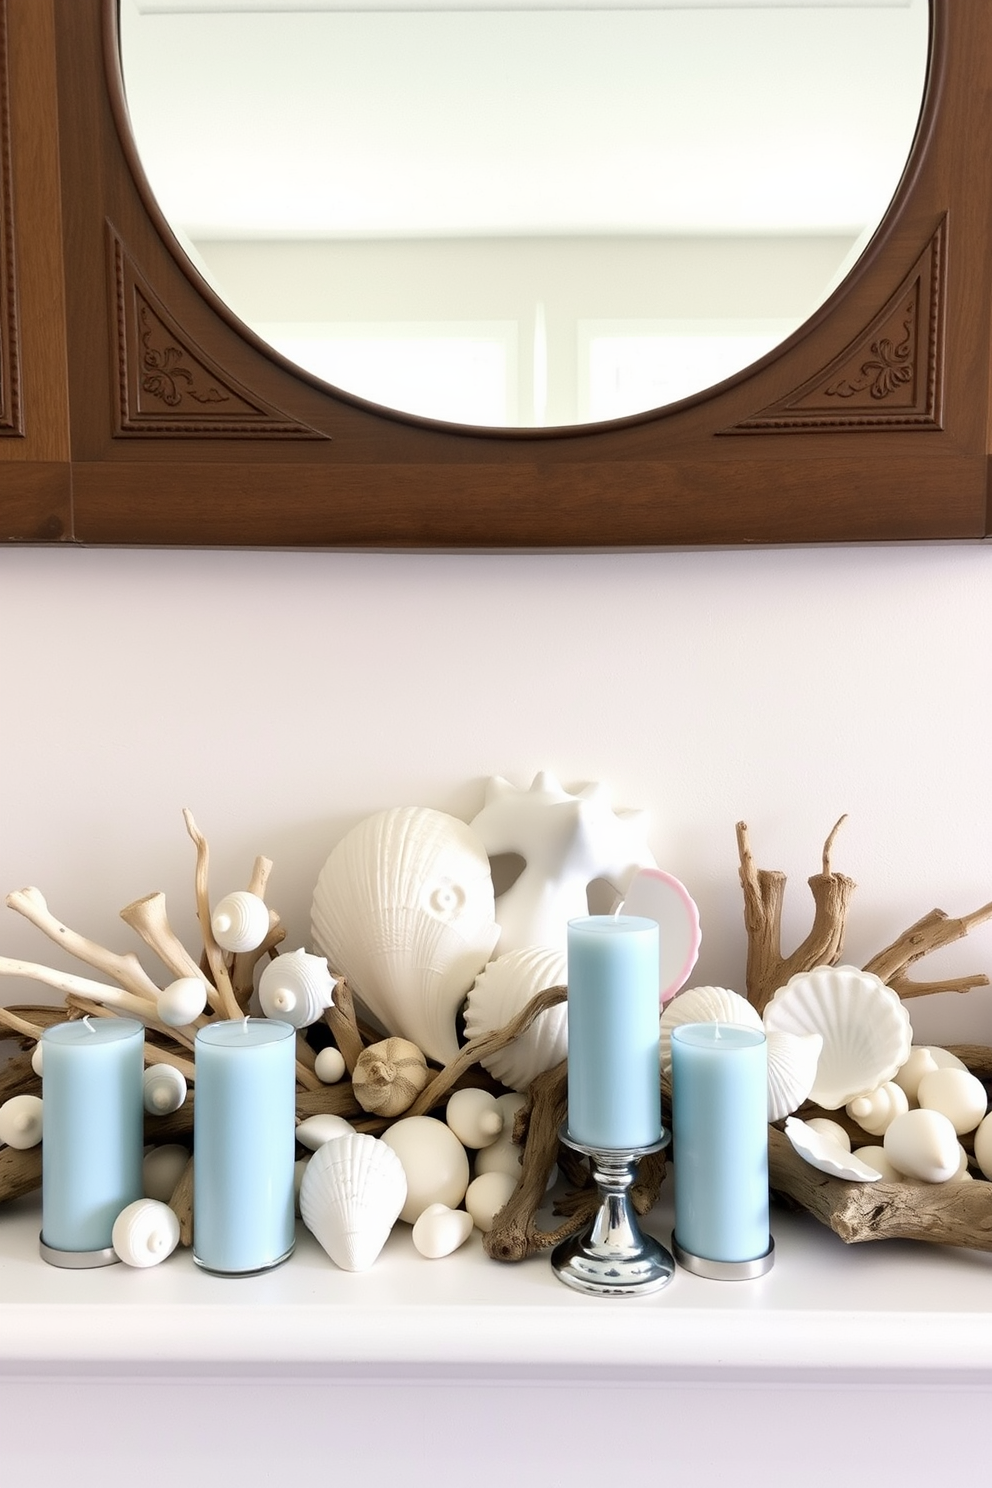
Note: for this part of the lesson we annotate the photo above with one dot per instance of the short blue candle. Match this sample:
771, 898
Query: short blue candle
720, 1137
244, 1145
614, 1084
92, 1131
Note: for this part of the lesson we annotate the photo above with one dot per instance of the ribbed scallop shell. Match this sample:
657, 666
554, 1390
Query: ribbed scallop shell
703, 1005
351, 1194
296, 988
865, 1029
501, 991
792, 1062
404, 909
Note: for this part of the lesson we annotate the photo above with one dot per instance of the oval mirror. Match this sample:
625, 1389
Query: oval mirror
524, 215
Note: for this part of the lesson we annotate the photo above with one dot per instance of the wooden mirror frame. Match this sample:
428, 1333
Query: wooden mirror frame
136, 409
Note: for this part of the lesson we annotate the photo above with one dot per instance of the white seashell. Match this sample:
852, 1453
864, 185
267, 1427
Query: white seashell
145, 1233
182, 1001
865, 1029
329, 1065
704, 1005
388, 1076
486, 1195
435, 1163
240, 922
37, 1059
660, 897
296, 988
351, 1196
299, 1168
164, 1089
404, 908
792, 1061
314, 1131
503, 1155
876, 1111
474, 1117
831, 1129
161, 1170
983, 1146
827, 1155
923, 1144
440, 1231
876, 1158
957, 1093
20, 1121
501, 991
909, 1075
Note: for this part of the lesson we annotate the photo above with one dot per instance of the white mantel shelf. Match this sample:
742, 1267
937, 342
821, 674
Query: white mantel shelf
894, 1309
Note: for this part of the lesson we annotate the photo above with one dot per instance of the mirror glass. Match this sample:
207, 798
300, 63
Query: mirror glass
520, 214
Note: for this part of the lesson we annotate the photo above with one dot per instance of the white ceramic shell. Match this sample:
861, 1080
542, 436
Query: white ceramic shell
350, 1197
879, 1108
958, 1094
826, 1155
503, 1155
792, 1061
440, 1231
240, 921
486, 1195
501, 991
296, 988
182, 1001
404, 909
314, 1131
704, 1005
923, 1144
164, 1089
865, 1029
474, 1117
329, 1065
20, 1121
145, 1233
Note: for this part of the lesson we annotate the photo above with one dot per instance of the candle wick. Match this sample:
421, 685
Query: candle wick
89, 1025
245, 1029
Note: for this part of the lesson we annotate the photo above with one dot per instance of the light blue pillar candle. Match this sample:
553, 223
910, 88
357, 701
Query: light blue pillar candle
244, 1145
614, 1084
92, 1135
720, 1141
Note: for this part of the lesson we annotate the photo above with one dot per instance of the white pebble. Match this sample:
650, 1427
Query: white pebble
983, 1147
316, 1130
439, 1231
923, 1144
957, 1094
37, 1059
162, 1169
876, 1158
486, 1196
329, 1065
182, 1001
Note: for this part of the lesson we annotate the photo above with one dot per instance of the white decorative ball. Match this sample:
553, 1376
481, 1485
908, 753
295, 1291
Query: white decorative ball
435, 1163
957, 1094
329, 1065
182, 1001
240, 921
163, 1089
486, 1196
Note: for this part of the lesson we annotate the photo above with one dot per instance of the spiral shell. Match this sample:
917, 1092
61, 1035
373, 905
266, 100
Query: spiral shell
145, 1233
296, 988
20, 1121
703, 1005
240, 921
501, 991
182, 1001
389, 1076
404, 909
877, 1110
351, 1195
164, 1089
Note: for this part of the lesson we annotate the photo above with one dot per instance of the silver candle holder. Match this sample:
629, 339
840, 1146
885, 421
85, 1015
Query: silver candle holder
612, 1257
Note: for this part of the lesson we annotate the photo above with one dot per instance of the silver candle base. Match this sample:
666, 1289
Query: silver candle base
77, 1260
612, 1257
725, 1270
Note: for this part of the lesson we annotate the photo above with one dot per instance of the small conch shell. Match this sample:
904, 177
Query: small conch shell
792, 1061
314, 1131
389, 1076
501, 991
164, 1089
182, 1001
876, 1111
351, 1195
923, 1144
503, 1155
145, 1233
296, 988
474, 1116
440, 1231
20, 1121
240, 922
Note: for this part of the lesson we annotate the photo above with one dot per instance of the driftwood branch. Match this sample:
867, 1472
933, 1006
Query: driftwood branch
126, 970
341, 1020
221, 997
930, 933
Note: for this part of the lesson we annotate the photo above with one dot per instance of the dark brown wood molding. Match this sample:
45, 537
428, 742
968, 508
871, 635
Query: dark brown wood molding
890, 376
168, 386
10, 381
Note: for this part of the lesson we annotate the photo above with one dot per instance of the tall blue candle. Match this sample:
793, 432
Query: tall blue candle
720, 1137
244, 1145
614, 1084
92, 1135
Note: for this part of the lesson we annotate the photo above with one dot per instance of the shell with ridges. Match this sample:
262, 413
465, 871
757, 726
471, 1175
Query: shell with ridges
145, 1233
826, 1155
877, 1110
704, 1005
404, 909
240, 921
389, 1076
296, 988
351, 1195
792, 1061
163, 1089
865, 1029
501, 991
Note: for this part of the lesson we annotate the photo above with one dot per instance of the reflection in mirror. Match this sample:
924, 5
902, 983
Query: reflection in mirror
523, 217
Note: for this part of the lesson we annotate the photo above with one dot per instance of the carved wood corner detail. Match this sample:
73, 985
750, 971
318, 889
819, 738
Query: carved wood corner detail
168, 386
888, 377
11, 424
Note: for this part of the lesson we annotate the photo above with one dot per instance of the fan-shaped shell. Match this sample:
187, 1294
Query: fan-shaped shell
703, 1005
828, 1156
865, 1029
404, 909
240, 921
296, 988
501, 991
350, 1197
792, 1061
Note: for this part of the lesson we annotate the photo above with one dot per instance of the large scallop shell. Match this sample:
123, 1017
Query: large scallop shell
703, 1005
865, 1029
296, 988
350, 1197
404, 909
792, 1061
501, 991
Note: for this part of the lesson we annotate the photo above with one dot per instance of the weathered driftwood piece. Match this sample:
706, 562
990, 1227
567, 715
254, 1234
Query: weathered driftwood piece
17, 1076
68, 983
126, 970
221, 996
934, 930
181, 1204
243, 963
341, 1020
20, 1171
147, 917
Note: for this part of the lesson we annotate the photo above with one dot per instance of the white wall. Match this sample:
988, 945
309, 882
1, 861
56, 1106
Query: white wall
282, 696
